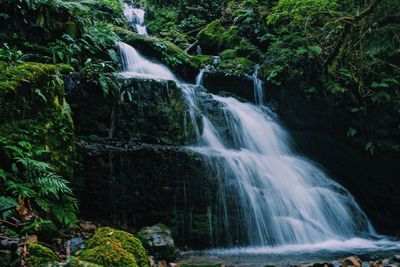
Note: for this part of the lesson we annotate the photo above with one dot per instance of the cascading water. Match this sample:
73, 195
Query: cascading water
281, 198
135, 16
258, 87
268, 195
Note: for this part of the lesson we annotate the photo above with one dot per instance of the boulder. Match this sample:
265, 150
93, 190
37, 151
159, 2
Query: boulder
218, 80
351, 261
39, 255
158, 241
214, 38
111, 247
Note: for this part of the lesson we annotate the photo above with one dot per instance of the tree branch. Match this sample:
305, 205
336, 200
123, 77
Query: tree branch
347, 28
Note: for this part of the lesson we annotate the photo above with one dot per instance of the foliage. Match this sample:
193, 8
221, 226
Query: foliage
35, 127
112, 247
36, 186
39, 255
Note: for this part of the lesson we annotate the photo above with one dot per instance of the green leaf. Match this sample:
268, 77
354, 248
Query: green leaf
351, 132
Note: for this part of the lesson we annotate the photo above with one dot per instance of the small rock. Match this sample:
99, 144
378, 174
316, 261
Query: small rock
396, 258
385, 262
31, 239
324, 264
75, 244
88, 227
158, 241
351, 261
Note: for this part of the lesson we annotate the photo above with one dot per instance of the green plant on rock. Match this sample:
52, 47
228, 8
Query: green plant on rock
34, 183
39, 255
120, 240
109, 254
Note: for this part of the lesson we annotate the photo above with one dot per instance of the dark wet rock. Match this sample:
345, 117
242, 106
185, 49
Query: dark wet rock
324, 264
122, 186
158, 240
217, 81
142, 110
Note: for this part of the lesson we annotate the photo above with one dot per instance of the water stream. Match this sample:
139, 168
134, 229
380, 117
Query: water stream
135, 17
269, 196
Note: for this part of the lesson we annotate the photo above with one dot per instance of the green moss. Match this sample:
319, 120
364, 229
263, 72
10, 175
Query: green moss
212, 35
74, 262
38, 255
124, 240
65, 68
215, 38
24, 74
228, 54
109, 254
202, 60
115, 5
231, 37
33, 108
238, 66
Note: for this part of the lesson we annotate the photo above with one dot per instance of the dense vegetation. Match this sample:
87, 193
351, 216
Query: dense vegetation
345, 54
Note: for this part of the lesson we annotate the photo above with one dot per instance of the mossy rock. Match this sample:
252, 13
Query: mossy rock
203, 60
39, 254
33, 108
109, 254
238, 66
159, 242
228, 54
74, 262
118, 239
215, 38
163, 51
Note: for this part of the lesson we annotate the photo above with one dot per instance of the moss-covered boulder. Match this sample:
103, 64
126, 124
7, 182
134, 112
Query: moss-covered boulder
39, 255
109, 254
165, 52
33, 109
215, 38
74, 262
112, 247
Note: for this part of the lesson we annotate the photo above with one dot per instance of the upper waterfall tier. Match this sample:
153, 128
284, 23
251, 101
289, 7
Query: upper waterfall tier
135, 16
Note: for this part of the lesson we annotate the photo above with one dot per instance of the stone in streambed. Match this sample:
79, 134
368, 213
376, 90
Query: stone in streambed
351, 261
158, 240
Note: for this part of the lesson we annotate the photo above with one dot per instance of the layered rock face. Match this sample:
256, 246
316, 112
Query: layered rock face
143, 175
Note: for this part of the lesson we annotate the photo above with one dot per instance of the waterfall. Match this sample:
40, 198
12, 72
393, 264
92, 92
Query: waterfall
258, 86
199, 78
135, 16
135, 65
268, 195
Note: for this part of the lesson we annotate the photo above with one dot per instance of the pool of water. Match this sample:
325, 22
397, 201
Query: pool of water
329, 251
